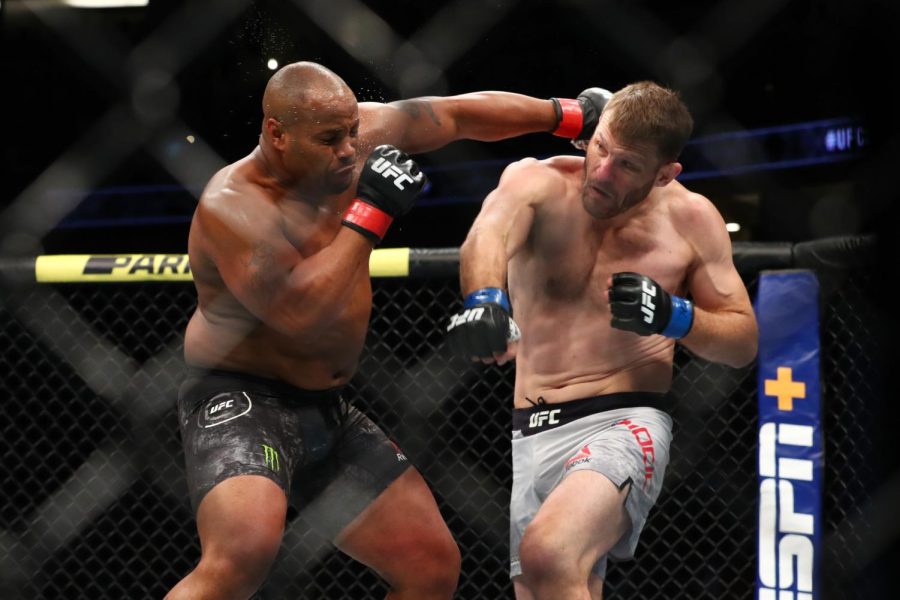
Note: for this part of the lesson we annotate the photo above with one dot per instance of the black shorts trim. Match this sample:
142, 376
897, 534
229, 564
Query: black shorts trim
543, 416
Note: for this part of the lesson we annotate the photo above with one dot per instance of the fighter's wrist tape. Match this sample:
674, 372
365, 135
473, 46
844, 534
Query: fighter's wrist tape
367, 220
495, 295
569, 117
681, 320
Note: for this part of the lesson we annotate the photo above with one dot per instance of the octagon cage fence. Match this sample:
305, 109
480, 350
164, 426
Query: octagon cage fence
95, 502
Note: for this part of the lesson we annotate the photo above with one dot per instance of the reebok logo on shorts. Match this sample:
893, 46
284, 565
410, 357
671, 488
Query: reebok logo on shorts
224, 407
583, 457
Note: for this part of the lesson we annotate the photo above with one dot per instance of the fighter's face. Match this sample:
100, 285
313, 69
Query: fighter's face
322, 148
617, 175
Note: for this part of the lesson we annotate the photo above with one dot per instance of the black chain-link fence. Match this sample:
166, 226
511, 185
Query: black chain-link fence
95, 504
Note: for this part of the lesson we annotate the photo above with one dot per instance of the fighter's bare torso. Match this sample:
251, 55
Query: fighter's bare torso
558, 283
223, 333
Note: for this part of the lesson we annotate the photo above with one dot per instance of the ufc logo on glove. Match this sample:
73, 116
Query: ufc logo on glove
647, 306
388, 170
470, 314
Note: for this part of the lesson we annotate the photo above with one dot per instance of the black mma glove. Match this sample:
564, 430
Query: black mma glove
388, 186
577, 119
639, 304
484, 326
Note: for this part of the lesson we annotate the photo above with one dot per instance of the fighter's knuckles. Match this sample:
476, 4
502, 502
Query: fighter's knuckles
384, 150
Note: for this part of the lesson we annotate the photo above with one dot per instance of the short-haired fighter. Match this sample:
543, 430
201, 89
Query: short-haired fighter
606, 262
279, 250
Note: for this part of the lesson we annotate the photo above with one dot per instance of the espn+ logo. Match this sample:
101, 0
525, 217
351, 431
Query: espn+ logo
786, 550
387, 170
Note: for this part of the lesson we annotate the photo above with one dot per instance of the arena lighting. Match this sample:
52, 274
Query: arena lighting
733, 227
272, 64
105, 3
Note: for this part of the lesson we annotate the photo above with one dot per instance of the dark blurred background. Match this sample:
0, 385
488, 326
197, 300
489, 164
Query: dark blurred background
117, 116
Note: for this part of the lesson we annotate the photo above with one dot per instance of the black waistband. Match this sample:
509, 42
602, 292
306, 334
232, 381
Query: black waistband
542, 417
202, 383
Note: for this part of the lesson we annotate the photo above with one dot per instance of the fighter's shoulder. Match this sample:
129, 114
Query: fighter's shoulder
233, 186
234, 199
691, 209
696, 218
549, 171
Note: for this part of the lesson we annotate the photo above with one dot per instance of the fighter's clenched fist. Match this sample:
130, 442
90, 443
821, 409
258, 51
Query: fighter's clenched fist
388, 186
641, 305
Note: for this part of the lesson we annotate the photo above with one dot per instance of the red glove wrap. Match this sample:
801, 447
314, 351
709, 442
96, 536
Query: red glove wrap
571, 120
367, 217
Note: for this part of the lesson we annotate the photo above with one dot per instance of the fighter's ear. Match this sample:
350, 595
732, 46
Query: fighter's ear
276, 132
667, 173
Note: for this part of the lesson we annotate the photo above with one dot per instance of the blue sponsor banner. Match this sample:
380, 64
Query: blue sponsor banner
790, 437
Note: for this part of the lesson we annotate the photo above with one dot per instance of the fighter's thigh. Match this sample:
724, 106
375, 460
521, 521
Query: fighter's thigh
402, 522
241, 520
236, 434
581, 519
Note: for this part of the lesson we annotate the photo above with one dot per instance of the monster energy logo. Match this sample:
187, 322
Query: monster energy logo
271, 457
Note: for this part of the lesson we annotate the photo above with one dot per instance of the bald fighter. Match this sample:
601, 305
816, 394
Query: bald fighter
279, 249
608, 262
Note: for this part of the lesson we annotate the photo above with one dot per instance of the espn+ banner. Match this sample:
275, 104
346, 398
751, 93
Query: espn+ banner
790, 436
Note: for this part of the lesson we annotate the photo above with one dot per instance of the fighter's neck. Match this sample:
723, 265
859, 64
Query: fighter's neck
270, 166
631, 215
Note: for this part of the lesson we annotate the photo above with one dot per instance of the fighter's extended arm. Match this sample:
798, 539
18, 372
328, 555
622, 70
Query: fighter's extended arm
423, 124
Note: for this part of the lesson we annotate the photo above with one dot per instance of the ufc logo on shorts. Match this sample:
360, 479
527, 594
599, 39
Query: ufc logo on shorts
647, 306
551, 417
388, 170
470, 314
221, 406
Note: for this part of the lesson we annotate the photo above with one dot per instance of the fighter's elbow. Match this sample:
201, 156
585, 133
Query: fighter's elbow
744, 358
745, 351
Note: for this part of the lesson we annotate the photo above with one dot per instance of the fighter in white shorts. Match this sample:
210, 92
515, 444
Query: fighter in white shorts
609, 261
629, 446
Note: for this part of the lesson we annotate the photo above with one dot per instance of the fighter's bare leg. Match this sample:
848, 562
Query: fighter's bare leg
595, 587
241, 524
403, 537
581, 520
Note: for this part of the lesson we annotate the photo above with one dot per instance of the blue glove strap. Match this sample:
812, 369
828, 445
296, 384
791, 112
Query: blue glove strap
495, 295
681, 320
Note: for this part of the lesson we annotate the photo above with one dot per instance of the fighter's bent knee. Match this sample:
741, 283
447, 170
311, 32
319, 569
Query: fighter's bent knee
543, 557
430, 566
